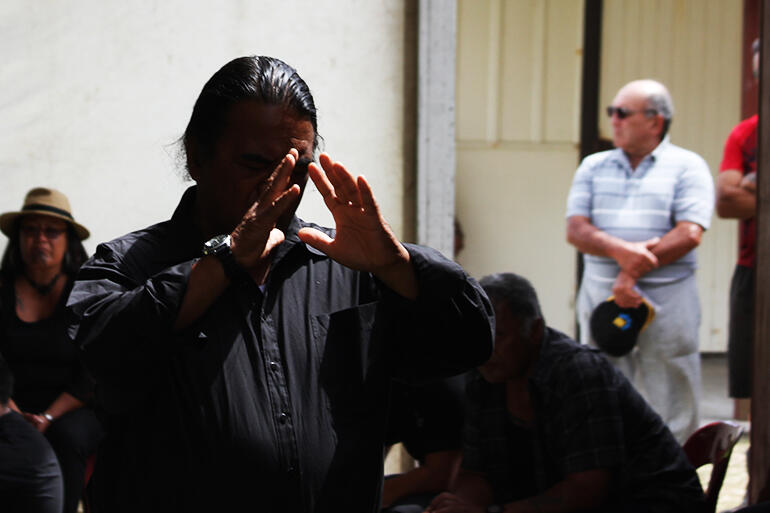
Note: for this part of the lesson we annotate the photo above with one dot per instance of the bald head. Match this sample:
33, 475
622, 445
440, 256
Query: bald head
656, 96
641, 114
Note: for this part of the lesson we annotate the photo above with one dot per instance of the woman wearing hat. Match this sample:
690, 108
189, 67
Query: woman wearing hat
52, 387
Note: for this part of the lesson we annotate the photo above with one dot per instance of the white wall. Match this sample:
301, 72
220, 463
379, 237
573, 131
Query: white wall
96, 92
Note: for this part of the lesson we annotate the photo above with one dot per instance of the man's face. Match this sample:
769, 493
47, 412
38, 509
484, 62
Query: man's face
42, 241
635, 133
514, 351
255, 139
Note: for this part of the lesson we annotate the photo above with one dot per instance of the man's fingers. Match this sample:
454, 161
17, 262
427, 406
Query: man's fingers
345, 185
279, 179
367, 196
315, 238
275, 238
322, 183
281, 204
652, 242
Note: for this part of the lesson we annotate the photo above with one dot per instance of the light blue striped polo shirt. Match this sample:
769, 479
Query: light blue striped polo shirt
670, 185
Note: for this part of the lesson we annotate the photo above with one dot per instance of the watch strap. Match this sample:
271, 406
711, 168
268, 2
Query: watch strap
219, 247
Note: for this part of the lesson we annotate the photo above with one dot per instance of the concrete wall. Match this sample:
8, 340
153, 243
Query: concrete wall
95, 94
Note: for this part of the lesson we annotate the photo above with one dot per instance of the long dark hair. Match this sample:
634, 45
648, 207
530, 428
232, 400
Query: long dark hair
12, 264
265, 79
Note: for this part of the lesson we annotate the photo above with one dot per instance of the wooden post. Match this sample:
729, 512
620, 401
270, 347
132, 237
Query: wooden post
759, 466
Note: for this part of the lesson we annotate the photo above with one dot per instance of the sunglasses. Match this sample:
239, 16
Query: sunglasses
35, 231
623, 112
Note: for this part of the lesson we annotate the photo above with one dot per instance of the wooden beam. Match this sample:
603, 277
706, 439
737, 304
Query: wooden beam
759, 464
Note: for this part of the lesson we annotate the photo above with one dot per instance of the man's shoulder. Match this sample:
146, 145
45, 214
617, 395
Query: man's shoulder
680, 155
573, 365
745, 128
149, 238
599, 159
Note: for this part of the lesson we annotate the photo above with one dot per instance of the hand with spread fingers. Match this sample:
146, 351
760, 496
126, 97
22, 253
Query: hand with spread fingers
256, 234
364, 241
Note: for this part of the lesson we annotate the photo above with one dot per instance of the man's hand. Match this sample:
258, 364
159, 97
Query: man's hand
635, 258
364, 241
38, 421
623, 290
749, 182
450, 503
256, 235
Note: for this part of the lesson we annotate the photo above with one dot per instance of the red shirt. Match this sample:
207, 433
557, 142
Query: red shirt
741, 155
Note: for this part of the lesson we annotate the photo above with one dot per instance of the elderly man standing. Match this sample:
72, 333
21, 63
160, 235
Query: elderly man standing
637, 213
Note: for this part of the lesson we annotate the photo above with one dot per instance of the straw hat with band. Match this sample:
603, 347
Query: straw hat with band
45, 202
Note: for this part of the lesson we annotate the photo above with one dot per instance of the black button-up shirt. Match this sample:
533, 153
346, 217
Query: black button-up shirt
275, 399
587, 417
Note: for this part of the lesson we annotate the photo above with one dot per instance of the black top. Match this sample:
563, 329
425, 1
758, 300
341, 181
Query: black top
277, 402
587, 417
43, 361
428, 417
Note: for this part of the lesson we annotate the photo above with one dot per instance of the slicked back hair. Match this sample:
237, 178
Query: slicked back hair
264, 79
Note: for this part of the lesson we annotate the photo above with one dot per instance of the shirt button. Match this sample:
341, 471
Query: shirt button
283, 418
274, 366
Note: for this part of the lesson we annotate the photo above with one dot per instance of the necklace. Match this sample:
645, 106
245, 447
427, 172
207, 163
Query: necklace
43, 288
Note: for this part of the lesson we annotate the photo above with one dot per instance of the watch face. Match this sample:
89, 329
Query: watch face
212, 244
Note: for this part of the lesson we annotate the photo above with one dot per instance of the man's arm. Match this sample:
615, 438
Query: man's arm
633, 257
432, 477
679, 241
736, 196
581, 491
471, 494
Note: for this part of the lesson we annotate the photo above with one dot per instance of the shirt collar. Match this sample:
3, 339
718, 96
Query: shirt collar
620, 157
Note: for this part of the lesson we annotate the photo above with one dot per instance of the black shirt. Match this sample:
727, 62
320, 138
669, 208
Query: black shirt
278, 402
587, 417
427, 417
43, 362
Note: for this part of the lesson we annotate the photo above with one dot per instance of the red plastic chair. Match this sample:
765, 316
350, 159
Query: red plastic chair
713, 443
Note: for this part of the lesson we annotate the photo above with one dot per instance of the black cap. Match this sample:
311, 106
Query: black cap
615, 329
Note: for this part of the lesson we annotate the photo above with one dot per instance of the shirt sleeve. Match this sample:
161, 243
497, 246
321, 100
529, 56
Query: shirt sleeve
732, 157
694, 194
580, 194
122, 320
82, 386
588, 424
442, 415
447, 330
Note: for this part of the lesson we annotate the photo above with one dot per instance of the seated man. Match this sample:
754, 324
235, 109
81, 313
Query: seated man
30, 477
554, 427
428, 420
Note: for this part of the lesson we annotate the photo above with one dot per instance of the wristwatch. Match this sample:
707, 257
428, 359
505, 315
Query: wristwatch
219, 247
494, 508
